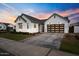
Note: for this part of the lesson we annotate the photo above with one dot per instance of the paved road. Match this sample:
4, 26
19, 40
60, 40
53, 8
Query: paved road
45, 40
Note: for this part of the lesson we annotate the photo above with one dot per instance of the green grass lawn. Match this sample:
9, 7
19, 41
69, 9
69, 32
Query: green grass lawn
14, 36
70, 43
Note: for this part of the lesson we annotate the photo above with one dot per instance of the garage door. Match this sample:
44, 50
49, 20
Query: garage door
55, 28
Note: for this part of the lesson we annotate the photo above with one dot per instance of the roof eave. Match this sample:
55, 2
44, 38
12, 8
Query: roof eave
16, 18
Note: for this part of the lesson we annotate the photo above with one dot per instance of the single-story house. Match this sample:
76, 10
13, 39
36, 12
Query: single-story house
75, 27
55, 24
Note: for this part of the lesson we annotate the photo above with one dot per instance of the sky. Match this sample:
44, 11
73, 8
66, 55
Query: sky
10, 11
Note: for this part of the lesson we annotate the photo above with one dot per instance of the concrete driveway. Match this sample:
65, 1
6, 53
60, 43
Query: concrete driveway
50, 40
20, 49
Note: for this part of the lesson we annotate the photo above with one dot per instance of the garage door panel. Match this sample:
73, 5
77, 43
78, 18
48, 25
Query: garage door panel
61, 24
61, 31
56, 31
52, 29
61, 27
55, 28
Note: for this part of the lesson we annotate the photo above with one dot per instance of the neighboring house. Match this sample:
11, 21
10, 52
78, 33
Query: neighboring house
55, 23
11, 27
2, 27
75, 27
6, 26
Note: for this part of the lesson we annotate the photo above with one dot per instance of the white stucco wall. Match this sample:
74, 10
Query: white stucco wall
31, 28
76, 29
57, 20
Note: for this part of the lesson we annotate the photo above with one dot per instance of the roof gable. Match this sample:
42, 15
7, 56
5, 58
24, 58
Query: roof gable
19, 18
64, 18
32, 19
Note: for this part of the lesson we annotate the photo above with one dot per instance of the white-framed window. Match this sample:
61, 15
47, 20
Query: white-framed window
27, 26
34, 25
54, 16
20, 25
19, 19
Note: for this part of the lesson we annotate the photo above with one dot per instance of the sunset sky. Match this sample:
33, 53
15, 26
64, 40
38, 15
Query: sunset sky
9, 12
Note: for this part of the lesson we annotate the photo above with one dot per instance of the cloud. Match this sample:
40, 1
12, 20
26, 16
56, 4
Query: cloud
38, 15
6, 16
28, 11
69, 12
9, 14
11, 8
62, 13
42, 15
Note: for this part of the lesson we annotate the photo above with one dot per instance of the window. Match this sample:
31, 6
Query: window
34, 25
54, 16
20, 25
19, 19
27, 25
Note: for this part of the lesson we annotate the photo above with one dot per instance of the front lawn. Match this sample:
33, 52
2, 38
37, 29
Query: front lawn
14, 36
70, 43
